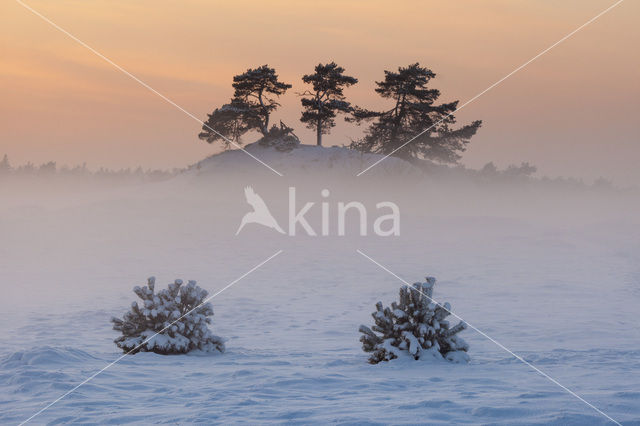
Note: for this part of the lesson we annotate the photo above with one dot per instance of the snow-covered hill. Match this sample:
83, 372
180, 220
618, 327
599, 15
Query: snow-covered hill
303, 160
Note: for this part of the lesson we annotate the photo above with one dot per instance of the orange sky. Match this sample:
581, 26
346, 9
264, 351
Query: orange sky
572, 112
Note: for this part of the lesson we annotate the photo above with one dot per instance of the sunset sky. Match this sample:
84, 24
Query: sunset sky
573, 112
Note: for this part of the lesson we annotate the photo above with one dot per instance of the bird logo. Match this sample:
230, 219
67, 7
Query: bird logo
260, 213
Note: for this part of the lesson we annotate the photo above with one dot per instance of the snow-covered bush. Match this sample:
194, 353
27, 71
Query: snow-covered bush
281, 138
175, 314
415, 326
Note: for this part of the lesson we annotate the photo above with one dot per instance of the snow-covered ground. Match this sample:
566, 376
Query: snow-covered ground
334, 161
552, 275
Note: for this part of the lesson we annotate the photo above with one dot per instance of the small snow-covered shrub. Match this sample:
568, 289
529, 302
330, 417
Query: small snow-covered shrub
281, 138
175, 314
415, 326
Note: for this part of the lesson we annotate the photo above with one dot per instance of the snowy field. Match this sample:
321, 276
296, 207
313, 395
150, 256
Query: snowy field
552, 275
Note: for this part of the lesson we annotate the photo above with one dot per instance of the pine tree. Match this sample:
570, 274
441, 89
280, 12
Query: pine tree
5, 166
228, 123
178, 316
250, 108
414, 110
326, 99
254, 88
415, 325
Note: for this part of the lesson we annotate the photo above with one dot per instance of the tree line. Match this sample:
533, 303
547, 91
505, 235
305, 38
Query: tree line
413, 111
51, 169
487, 174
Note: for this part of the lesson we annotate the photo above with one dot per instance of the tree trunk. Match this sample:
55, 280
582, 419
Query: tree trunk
264, 128
319, 122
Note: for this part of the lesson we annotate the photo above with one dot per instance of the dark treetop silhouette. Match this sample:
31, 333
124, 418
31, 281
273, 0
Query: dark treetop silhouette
414, 111
250, 108
326, 99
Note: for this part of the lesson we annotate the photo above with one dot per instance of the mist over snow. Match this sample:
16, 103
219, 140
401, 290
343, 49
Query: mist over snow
548, 270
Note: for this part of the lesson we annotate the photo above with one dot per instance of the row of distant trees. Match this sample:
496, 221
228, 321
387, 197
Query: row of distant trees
50, 169
488, 174
413, 111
